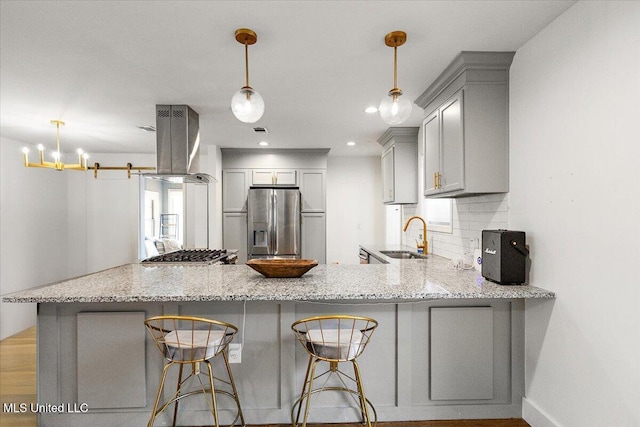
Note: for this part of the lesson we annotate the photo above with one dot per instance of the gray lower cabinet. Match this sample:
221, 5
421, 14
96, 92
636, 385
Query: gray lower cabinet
234, 233
313, 239
461, 344
111, 357
427, 360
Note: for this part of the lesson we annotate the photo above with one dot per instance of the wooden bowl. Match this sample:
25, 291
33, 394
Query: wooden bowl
282, 267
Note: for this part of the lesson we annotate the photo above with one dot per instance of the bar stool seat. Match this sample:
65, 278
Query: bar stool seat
187, 340
334, 339
187, 345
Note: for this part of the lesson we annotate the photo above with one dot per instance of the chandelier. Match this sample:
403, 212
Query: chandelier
57, 162
82, 164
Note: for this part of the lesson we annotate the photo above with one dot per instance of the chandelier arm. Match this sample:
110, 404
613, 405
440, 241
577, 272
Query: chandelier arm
129, 167
58, 161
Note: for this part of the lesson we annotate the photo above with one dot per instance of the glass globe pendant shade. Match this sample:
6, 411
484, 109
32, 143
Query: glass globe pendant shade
394, 109
247, 105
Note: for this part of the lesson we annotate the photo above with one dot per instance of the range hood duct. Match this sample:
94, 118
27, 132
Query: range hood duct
178, 142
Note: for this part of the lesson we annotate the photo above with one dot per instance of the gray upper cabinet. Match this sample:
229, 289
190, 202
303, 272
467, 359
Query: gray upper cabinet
274, 176
400, 165
313, 190
465, 131
235, 186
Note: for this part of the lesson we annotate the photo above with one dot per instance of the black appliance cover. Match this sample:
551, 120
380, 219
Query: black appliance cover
504, 256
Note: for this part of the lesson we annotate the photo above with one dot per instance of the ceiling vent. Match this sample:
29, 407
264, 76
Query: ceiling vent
259, 129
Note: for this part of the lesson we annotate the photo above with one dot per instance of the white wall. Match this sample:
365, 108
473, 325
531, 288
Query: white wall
57, 225
575, 176
33, 232
355, 213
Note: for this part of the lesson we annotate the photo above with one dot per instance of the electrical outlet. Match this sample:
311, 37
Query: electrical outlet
235, 353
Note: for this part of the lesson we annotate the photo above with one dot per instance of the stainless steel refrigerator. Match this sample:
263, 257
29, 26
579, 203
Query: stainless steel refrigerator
273, 218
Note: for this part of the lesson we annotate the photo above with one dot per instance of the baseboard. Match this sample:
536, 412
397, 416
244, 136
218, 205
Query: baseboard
534, 416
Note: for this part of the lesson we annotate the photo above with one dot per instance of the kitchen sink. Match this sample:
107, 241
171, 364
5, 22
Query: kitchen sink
403, 255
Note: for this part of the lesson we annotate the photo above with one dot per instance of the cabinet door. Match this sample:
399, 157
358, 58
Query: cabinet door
312, 190
461, 353
314, 245
234, 234
102, 340
262, 177
285, 176
235, 183
452, 144
388, 176
431, 132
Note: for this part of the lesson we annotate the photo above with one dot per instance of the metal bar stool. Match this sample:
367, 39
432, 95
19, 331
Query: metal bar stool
185, 340
333, 339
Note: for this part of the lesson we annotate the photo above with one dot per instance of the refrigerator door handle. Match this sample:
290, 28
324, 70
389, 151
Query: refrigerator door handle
274, 223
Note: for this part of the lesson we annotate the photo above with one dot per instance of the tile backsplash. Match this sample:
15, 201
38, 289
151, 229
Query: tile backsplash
470, 216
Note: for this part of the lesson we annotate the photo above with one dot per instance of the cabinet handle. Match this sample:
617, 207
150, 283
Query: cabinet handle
437, 180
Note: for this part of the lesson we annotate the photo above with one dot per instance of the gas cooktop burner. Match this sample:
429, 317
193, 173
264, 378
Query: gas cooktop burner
194, 256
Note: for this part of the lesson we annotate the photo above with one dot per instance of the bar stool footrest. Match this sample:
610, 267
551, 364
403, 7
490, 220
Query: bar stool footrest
307, 395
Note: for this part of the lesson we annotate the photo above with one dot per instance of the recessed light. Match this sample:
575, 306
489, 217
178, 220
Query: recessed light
263, 143
371, 110
351, 143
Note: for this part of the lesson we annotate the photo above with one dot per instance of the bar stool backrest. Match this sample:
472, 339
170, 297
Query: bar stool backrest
335, 338
187, 339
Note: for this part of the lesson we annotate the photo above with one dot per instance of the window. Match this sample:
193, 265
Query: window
439, 215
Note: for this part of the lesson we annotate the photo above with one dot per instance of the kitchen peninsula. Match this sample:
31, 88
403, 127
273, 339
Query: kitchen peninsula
450, 344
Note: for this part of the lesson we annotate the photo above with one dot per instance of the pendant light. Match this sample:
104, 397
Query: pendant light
394, 109
247, 104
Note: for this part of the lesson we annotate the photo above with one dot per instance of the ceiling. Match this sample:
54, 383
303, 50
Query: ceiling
102, 66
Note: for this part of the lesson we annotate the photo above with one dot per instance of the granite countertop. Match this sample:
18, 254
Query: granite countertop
406, 280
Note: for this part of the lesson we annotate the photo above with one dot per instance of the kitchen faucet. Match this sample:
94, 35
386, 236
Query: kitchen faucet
424, 232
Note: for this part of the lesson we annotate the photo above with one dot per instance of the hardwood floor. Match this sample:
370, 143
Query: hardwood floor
18, 385
18, 377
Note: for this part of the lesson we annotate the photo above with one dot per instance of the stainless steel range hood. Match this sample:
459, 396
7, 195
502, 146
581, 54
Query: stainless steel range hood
178, 141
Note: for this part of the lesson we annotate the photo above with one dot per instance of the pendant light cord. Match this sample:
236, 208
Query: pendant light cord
246, 62
395, 67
